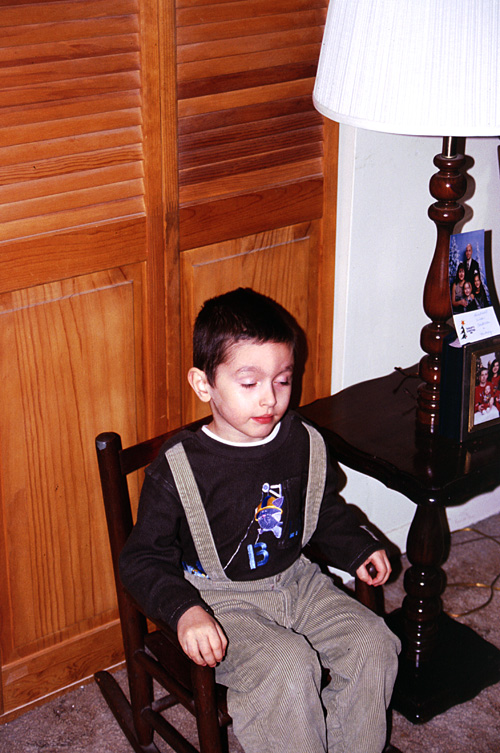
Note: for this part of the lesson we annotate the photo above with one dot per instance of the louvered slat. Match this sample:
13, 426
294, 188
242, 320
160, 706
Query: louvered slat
69, 105
221, 30
12, 175
250, 182
245, 76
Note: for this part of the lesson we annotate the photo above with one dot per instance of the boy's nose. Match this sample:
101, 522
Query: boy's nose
268, 397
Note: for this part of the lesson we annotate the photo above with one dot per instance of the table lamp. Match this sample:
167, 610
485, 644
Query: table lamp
418, 67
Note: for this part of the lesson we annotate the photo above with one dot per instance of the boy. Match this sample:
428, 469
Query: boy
216, 551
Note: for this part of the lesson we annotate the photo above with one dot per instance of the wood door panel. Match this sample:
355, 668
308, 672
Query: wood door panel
136, 138
280, 263
33, 679
47, 258
229, 217
83, 307
73, 370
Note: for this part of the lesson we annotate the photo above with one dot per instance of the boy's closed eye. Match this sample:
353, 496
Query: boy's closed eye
279, 383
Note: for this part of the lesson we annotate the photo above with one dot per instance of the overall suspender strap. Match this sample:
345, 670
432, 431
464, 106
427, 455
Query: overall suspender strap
195, 512
315, 482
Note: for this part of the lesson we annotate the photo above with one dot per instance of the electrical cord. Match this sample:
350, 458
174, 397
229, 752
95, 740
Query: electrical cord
491, 586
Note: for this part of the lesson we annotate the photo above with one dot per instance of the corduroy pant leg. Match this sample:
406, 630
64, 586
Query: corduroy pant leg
274, 683
361, 654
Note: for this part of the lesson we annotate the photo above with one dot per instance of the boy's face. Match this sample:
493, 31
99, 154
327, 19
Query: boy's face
251, 391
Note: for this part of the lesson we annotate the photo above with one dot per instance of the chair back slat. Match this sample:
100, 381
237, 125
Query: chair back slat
143, 453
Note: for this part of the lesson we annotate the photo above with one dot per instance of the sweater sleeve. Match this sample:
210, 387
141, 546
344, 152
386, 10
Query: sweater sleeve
339, 536
151, 561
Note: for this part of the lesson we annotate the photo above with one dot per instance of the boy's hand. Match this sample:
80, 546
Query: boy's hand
201, 637
380, 561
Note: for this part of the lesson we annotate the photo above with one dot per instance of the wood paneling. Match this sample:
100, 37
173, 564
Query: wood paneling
271, 263
30, 261
29, 680
70, 116
246, 120
248, 213
67, 343
74, 369
152, 154
82, 317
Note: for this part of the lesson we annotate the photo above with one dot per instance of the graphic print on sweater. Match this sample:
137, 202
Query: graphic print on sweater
270, 510
267, 515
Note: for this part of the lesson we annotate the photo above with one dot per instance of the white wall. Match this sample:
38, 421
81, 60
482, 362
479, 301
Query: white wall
385, 243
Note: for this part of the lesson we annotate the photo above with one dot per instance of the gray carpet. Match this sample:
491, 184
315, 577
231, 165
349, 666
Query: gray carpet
80, 722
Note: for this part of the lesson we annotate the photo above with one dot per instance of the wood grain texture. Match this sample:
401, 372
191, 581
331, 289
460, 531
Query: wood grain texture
32, 680
245, 214
59, 64
65, 340
31, 261
82, 318
242, 183
245, 72
270, 262
148, 159
254, 25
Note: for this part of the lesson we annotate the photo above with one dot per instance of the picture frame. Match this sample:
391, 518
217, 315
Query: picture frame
481, 404
470, 389
472, 291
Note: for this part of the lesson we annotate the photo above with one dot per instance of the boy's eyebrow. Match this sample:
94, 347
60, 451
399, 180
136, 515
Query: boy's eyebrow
256, 369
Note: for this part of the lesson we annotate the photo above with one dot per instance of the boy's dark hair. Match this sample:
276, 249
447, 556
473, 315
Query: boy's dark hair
241, 314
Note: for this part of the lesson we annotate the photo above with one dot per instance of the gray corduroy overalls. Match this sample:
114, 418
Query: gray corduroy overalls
282, 630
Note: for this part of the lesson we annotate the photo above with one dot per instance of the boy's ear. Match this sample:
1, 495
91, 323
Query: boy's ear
199, 382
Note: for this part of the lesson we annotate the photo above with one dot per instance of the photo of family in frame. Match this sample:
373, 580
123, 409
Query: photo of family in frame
470, 377
468, 290
473, 314
484, 400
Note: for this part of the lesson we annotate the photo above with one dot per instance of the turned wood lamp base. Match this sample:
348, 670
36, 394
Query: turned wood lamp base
447, 186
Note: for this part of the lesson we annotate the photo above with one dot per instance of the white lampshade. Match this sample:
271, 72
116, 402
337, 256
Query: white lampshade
422, 67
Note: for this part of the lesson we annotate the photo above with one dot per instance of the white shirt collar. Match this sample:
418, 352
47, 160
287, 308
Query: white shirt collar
257, 442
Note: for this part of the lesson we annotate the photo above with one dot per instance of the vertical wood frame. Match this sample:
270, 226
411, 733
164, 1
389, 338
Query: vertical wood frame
65, 340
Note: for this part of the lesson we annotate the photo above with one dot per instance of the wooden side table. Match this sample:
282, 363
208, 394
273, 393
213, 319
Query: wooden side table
371, 428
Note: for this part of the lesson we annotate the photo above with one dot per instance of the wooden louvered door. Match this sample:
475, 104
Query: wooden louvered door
256, 207
82, 333
152, 154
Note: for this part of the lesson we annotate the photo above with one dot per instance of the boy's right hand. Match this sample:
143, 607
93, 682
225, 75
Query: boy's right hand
201, 637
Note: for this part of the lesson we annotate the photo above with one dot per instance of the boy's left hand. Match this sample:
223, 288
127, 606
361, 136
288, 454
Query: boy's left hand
380, 562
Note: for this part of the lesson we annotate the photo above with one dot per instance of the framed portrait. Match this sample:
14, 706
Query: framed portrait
481, 387
470, 389
472, 290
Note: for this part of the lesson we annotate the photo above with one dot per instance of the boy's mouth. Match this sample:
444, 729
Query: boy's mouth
264, 419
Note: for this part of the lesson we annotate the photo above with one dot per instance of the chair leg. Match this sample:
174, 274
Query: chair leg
212, 737
140, 685
122, 711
